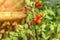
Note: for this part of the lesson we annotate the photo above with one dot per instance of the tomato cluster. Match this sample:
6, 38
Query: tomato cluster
38, 4
38, 19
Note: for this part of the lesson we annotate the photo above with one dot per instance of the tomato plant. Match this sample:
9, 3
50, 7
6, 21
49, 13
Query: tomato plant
39, 25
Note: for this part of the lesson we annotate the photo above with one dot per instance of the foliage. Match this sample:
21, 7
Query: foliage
48, 30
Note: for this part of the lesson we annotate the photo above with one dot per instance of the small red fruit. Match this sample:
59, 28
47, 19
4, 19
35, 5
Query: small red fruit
35, 20
39, 16
38, 4
39, 21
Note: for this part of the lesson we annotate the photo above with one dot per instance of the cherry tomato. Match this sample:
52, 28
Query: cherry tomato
39, 16
38, 4
35, 20
39, 21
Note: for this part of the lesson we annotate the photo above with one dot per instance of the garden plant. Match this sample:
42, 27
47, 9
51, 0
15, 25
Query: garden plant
41, 23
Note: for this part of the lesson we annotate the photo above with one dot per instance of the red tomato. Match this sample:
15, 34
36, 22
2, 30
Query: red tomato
35, 20
38, 4
39, 21
39, 16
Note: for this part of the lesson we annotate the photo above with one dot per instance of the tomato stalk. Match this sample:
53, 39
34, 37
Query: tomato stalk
36, 32
35, 26
29, 25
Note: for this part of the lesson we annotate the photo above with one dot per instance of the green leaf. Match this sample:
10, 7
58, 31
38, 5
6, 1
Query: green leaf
58, 29
10, 36
11, 33
26, 26
43, 27
17, 30
54, 39
43, 35
58, 10
52, 27
15, 38
20, 27
23, 36
16, 34
7, 39
37, 10
30, 32
51, 12
47, 28
29, 17
31, 4
28, 2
